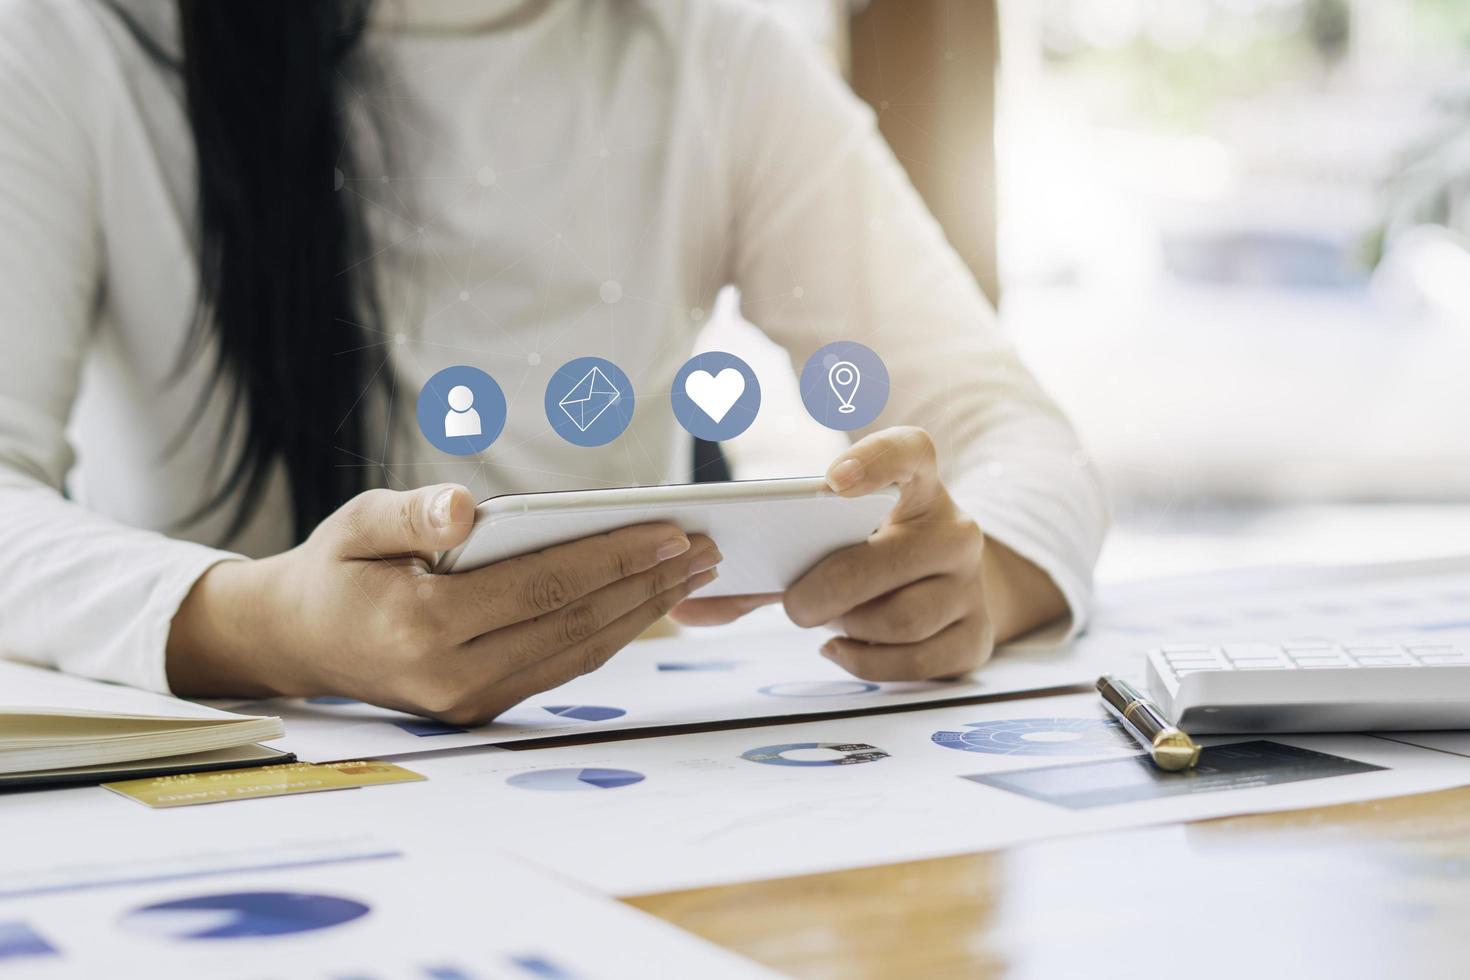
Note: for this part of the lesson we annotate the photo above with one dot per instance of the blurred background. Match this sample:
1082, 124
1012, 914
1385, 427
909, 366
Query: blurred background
1232, 237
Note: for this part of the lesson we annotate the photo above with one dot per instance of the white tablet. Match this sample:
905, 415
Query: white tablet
769, 531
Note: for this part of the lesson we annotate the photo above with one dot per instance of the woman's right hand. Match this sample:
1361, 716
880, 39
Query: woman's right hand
355, 611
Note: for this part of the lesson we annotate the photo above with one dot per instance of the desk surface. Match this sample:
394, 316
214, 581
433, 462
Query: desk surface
1366, 889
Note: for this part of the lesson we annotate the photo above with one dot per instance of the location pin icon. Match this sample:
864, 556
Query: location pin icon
844, 378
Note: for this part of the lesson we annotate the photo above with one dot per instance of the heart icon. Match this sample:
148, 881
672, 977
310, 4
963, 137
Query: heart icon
715, 394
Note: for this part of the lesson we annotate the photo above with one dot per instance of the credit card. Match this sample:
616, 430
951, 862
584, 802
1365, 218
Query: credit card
192, 789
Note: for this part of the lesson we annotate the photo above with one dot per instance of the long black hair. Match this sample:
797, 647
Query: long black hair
285, 290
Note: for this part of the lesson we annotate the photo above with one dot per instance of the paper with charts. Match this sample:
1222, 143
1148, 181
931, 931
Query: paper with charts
683, 811
767, 668
656, 814
494, 919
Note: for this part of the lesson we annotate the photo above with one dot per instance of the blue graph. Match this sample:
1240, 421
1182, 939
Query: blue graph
237, 915
574, 780
847, 754
584, 712
1040, 736
818, 689
20, 941
698, 665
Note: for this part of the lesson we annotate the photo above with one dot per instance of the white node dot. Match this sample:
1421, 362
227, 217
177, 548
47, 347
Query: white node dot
533, 358
883, 105
400, 338
610, 291
515, 100
384, 178
338, 179
461, 398
486, 176
798, 292
421, 229
696, 314
425, 590
602, 153
949, 56
464, 296
558, 236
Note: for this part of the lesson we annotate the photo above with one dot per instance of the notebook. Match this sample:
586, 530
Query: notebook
56, 728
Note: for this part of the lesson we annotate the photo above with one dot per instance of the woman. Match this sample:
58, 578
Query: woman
237, 239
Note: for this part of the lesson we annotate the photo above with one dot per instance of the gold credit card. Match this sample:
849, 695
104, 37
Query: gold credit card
192, 789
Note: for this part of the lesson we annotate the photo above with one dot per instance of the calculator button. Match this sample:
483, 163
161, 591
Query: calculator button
1321, 662
1443, 658
1384, 662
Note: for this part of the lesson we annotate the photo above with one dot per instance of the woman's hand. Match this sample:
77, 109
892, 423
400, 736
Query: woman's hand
355, 611
926, 596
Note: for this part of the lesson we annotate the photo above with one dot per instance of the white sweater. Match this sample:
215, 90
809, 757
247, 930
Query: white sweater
541, 150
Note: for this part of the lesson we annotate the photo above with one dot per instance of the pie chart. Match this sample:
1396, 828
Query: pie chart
574, 780
584, 712
239, 915
818, 689
1040, 736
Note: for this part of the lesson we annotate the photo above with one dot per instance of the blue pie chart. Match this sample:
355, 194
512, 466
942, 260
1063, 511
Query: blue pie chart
584, 712
239, 915
819, 689
574, 780
1040, 736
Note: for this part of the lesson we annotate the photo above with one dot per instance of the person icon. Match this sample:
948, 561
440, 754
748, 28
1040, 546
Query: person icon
476, 410
461, 419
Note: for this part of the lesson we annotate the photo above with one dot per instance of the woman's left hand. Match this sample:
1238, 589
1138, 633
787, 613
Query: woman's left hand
915, 600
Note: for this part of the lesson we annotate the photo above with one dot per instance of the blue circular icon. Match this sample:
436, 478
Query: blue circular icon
844, 385
715, 396
461, 410
831, 754
589, 401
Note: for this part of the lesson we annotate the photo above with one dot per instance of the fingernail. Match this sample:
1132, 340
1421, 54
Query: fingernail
844, 474
829, 649
705, 560
441, 511
703, 579
672, 548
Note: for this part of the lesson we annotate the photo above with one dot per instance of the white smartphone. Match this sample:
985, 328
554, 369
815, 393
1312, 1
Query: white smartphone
769, 531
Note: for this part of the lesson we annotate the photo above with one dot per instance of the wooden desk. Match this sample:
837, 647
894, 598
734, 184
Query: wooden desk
1374, 889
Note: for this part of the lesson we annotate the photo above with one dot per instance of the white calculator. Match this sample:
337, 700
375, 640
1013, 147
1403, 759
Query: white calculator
1311, 687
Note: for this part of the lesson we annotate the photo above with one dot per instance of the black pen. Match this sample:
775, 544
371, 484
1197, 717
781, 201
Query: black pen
1168, 746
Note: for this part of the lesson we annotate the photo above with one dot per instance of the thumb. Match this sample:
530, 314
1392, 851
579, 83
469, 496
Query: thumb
903, 456
388, 523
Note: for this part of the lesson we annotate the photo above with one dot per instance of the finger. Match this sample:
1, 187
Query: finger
718, 610
388, 523
903, 456
892, 558
912, 613
953, 652
523, 644
586, 656
523, 588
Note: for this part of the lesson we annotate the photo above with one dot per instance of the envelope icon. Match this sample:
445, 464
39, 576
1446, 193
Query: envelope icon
589, 398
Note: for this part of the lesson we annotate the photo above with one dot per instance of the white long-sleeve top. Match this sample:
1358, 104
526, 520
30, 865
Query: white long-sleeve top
540, 150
